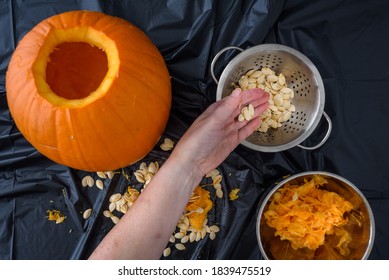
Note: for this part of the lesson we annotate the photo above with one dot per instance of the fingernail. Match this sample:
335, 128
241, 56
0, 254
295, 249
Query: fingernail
236, 92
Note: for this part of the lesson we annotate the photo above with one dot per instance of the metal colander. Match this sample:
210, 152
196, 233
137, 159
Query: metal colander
301, 75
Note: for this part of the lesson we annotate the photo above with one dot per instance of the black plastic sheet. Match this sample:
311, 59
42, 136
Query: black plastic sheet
348, 42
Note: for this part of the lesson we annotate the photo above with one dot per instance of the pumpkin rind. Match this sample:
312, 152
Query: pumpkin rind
116, 125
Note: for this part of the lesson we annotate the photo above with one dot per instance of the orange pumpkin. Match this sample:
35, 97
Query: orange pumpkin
89, 90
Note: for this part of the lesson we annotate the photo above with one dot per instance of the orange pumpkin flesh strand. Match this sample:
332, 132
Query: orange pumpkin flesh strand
203, 201
83, 115
305, 214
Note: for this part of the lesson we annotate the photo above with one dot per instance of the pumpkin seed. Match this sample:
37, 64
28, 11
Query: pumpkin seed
281, 79
179, 235
295, 196
84, 181
267, 71
182, 226
273, 108
143, 166
112, 206
255, 74
107, 214
186, 221
251, 110
185, 239
286, 90
219, 193
214, 228
247, 115
243, 82
172, 239
99, 184
101, 175
250, 72
192, 237
152, 169
115, 219
166, 252
216, 179
167, 144
87, 213
212, 235
272, 78
180, 246
287, 116
203, 233
139, 177
123, 208
90, 181
198, 236
109, 174
115, 197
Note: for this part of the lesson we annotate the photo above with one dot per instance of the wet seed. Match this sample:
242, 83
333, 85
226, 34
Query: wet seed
180, 246
87, 213
166, 252
99, 184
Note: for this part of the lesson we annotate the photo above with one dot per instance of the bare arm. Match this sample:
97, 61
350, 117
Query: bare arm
143, 232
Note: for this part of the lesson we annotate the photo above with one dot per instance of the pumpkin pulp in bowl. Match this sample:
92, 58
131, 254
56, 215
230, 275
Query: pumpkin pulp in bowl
315, 217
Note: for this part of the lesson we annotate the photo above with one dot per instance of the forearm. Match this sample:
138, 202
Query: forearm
141, 232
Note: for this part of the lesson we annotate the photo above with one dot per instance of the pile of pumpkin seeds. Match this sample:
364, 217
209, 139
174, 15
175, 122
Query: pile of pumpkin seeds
280, 96
247, 113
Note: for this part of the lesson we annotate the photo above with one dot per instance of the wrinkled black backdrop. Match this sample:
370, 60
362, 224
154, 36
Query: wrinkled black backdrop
346, 39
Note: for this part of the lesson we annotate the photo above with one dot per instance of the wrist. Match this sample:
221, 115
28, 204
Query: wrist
186, 168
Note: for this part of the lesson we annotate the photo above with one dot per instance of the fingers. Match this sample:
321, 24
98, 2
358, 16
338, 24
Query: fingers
258, 110
248, 128
230, 106
260, 102
254, 95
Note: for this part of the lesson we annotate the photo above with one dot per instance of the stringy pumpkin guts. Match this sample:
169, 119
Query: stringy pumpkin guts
198, 207
233, 195
56, 215
305, 214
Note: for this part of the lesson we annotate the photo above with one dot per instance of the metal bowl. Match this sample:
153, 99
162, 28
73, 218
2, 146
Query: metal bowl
272, 247
301, 75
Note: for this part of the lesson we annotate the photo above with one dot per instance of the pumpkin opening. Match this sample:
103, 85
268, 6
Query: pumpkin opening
75, 66
76, 69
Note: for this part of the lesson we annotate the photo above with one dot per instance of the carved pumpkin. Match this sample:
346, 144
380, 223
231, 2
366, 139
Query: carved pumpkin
89, 91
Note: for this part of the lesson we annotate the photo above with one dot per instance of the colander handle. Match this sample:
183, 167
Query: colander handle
217, 57
325, 136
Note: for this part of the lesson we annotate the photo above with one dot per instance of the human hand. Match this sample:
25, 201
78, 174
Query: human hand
217, 132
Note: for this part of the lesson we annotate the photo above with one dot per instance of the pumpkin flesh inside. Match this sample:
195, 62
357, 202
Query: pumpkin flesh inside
75, 66
76, 69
